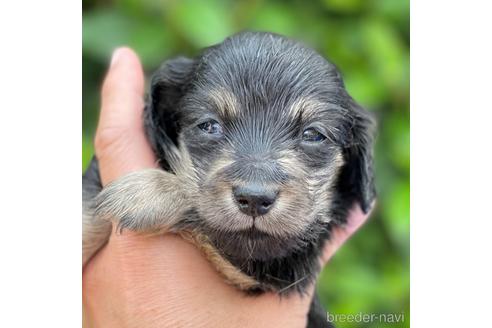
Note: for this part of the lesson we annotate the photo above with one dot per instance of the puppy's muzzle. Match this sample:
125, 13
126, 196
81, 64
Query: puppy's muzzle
254, 200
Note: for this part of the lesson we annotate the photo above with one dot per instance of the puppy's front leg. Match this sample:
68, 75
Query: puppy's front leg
150, 200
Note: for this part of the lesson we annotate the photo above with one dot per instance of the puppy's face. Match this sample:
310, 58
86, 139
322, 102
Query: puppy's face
267, 124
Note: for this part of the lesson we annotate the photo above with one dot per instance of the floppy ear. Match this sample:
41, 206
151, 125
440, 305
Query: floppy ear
357, 177
162, 114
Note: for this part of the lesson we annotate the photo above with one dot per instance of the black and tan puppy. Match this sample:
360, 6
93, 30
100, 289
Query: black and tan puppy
262, 151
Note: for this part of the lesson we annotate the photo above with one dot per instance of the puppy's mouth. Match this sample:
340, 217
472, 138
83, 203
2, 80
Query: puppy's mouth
253, 232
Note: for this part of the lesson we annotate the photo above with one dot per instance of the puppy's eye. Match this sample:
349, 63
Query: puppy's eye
211, 127
312, 135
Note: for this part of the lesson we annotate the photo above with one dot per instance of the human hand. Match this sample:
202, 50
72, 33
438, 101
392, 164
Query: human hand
163, 281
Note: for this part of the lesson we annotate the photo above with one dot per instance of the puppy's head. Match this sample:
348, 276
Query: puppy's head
274, 141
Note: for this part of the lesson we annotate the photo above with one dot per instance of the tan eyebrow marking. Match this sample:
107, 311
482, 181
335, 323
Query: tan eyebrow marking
307, 106
226, 101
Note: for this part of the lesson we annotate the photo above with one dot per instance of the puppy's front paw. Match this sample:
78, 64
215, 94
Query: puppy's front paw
143, 201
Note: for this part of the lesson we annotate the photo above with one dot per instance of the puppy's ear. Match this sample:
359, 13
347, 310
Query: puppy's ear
162, 109
357, 177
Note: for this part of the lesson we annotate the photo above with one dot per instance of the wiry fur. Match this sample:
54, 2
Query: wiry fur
264, 90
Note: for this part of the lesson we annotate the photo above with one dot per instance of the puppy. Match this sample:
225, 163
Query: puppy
262, 151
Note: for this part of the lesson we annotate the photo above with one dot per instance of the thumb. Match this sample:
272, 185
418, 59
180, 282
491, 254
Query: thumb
121, 145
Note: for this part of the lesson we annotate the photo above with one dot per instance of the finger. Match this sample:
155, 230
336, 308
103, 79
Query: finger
122, 91
340, 234
121, 144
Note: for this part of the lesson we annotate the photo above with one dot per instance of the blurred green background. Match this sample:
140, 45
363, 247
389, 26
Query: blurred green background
367, 39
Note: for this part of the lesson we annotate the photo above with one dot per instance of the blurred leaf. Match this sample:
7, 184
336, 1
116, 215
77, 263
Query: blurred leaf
142, 7
276, 18
398, 125
398, 11
203, 23
347, 6
396, 213
364, 88
386, 54
87, 151
344, 44
105, 30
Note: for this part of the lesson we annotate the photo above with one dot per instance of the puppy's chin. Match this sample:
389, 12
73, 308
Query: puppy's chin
253, 244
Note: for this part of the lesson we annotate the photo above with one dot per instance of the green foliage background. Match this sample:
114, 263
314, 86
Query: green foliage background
367, 39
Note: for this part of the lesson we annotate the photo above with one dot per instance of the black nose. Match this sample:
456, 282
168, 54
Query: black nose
254, 200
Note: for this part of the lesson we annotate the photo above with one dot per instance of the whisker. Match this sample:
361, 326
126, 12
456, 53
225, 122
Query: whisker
292, 284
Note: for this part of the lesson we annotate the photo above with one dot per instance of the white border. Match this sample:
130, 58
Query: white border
40, 136
451, 219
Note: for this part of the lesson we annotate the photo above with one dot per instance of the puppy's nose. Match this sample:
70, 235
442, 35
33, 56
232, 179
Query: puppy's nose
254, 200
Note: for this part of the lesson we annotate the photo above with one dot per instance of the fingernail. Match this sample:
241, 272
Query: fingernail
115, 57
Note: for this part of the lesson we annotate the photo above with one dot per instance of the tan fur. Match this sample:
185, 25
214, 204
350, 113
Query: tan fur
305, 105
218, 165
136, 201
226, 101
321, 188
290, 162
233, 275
